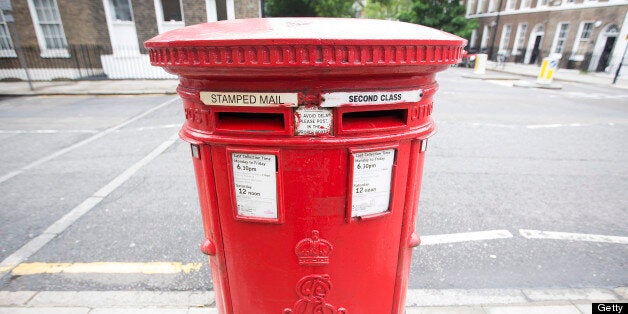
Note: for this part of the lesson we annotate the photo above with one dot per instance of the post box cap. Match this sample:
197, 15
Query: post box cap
304, 42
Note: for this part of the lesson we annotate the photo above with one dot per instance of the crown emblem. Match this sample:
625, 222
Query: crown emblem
313, 251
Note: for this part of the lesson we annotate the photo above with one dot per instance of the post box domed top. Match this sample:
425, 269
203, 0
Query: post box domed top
303, 42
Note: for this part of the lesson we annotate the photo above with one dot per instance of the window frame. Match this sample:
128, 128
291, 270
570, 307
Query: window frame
579, 39
485, 37
10, 52
164, 25
511, 5
520, 38
505, 38
41, 37
471, 7
557, 38
480, 7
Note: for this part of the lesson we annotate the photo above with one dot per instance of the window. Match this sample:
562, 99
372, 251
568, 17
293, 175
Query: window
121, 10
471, 5
505, 40
48, 28
542, 3
481, 6
561, 36
525, 4
171, 10
491, 6
210, 7
6, 44
169, 15
474, 38
584, 35
519, 39
485, 35
510, 5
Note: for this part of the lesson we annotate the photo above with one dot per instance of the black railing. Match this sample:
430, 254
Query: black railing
78, 62
568, 60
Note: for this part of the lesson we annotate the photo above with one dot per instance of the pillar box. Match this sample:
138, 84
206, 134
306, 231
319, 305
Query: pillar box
308, 137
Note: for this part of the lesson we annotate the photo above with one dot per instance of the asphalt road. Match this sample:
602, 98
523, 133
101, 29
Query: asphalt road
508, 167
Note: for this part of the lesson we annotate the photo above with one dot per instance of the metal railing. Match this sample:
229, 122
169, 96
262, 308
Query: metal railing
568, 60
79, 62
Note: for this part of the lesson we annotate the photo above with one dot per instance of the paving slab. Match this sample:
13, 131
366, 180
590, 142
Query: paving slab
15, 297
448, 297
205, 310
132, 310
46, 310
554, 309
97, 299
622, 292
445, 310
569, 294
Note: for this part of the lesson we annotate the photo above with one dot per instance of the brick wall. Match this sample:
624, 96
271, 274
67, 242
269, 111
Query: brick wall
24, 23
84, 25
550, 21
145, 21
84, 22
194, 12
247, 8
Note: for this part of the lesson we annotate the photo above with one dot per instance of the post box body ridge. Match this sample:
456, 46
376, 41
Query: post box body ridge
308, 172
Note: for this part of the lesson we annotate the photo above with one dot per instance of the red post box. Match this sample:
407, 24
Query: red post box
308, 138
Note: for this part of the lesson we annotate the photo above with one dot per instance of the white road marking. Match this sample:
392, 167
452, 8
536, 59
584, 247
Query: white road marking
83, 142
553, 235
532, 126
559, 125
77, 212
45, 131
145, 128
465, 237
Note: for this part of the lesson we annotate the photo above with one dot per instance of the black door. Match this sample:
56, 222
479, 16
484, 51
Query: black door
606, 54
535, 50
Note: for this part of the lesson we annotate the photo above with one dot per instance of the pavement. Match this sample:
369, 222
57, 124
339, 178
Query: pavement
549, 300
510, 71
425, 301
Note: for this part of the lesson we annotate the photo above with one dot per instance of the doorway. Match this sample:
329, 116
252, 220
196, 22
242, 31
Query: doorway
533, 49
606, 54
603, 51
121, 25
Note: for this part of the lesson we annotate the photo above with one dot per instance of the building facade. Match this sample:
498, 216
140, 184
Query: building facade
589, 35
102, 38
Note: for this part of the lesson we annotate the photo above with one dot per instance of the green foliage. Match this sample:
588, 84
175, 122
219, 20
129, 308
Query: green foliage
384, 9
335, 8
446, 15
300, 8
328, 8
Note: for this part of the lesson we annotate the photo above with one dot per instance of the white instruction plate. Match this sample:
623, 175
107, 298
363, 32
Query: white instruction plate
255, 185
372, 180
313, 120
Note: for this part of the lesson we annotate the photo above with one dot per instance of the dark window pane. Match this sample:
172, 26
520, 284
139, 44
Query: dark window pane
171, 10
